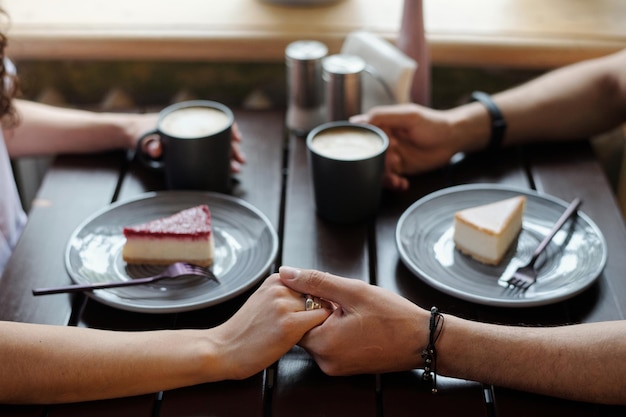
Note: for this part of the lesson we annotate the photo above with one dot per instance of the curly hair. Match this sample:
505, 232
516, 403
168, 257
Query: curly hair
9, 86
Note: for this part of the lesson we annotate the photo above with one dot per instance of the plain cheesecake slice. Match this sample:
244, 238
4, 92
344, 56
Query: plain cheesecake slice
486, 232
182, 237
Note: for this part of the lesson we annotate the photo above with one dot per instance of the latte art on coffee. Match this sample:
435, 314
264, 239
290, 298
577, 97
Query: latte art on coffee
347, 143
194, 122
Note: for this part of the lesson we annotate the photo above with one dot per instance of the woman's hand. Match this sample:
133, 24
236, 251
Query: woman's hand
270, 323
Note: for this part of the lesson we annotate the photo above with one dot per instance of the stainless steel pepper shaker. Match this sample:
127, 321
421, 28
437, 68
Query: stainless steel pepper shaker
305, 93
342, 80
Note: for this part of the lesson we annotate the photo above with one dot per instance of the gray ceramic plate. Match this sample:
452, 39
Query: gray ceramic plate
572, 261
245, 247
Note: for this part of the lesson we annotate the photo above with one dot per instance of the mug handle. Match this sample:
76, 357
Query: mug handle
143, 156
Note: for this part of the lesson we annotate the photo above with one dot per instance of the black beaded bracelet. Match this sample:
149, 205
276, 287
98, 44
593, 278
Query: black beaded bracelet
430, 353
498, 124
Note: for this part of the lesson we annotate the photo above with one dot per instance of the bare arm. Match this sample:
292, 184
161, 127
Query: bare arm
582, 362
573, 102
46, 130
50, 364
585, 362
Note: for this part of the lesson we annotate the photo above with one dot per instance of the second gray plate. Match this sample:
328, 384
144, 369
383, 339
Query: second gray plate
572, 261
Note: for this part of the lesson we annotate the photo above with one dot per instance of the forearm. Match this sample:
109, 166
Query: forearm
45, 130
574, 102
581, 362
51, 364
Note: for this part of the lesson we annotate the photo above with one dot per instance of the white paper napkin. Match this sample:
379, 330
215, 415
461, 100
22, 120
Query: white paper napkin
389, 64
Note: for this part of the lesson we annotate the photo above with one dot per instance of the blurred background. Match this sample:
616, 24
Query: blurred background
143, 55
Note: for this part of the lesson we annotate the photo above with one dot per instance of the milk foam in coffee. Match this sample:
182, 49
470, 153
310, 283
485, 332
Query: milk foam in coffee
347, 143
194, 122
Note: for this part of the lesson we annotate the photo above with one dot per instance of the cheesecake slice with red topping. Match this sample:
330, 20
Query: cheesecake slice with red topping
185, 236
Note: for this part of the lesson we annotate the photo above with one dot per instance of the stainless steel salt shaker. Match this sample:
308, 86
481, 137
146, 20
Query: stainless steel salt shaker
305, 93
342, 85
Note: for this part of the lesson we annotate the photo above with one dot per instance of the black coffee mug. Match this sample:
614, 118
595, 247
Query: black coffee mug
347, 163
195, 138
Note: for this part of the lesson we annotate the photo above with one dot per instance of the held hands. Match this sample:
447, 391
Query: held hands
420, 140
360, 328
371, 330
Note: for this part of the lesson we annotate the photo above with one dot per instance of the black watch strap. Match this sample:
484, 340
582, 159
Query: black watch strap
498, 124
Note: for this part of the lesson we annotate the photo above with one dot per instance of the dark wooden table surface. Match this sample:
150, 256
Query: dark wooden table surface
276, 180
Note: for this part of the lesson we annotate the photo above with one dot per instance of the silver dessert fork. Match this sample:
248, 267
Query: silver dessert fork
526, 275
175, 270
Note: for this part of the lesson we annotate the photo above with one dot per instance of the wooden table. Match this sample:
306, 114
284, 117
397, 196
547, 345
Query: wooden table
509, 33
276, 180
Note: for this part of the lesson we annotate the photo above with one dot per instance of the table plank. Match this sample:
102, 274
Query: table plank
310, 242
224, 399
405, 394
303, 390
511, 403
22, 410
139, 406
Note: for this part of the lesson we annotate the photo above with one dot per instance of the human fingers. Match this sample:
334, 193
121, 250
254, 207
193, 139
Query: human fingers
273, 289
359, 118
395, 182
330, 287
237, 158
394, 116
309, 311
236, 133
151, 145
394, 175
237, 155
